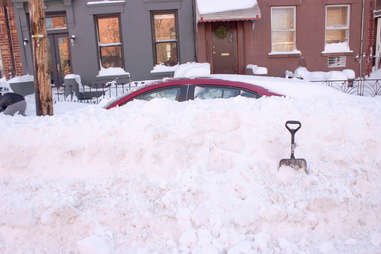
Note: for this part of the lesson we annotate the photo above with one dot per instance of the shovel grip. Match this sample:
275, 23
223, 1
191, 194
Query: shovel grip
293, 131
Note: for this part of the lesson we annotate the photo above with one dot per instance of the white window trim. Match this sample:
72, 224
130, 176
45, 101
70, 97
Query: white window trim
295, 50
346, 28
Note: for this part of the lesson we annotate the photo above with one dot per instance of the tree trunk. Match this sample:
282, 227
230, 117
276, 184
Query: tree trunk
43, 90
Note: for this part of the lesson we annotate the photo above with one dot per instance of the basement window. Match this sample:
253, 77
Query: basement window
337, 61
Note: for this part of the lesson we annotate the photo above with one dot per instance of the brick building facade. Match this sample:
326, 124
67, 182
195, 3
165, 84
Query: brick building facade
9, 45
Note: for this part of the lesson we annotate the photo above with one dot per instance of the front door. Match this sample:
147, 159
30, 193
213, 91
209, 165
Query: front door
60, 57
224, 36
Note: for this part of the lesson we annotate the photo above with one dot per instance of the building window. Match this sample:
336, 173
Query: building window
54, 22
336, 61
109, 41
164, 34
283, 29
337, 25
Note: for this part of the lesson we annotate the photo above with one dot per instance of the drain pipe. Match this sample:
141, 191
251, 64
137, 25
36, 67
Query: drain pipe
362, 37
6, 14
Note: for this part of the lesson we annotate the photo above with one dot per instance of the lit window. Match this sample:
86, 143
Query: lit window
283, 29
337, 24
109, 41
164, 26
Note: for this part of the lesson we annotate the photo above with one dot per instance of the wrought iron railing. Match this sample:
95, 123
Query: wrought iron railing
360, 87
95, 93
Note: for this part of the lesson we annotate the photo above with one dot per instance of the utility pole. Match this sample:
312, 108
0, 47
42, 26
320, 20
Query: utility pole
43, 90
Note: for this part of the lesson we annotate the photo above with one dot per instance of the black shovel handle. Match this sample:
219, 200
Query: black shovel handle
293, 130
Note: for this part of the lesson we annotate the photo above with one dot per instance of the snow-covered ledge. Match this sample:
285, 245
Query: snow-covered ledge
282, 53
106, 2
161, 68
341, 47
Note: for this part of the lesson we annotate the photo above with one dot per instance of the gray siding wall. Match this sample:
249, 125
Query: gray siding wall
135, 29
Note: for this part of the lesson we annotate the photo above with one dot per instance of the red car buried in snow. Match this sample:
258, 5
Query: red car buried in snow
193, 88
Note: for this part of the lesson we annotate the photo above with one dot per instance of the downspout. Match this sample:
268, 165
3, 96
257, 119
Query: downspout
9, 40
195, 29
362, 37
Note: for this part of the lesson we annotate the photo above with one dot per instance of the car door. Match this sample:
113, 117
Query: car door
204, 92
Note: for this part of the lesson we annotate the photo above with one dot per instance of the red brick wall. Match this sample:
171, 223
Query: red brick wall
11, 56
372, 39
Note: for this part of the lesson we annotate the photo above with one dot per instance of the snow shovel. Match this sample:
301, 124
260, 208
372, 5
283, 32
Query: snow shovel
293, 162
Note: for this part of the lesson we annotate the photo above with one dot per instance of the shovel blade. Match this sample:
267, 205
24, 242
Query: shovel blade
294, 163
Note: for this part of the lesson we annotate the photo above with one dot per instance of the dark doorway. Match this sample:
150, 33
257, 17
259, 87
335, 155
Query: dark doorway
60, 57
224, 36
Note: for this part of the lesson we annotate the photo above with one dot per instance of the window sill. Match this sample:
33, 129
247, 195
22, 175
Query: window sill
295, 53
339, 53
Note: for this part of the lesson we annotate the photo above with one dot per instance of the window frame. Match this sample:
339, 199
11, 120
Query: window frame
153, 33
288, 30
347, 28
99, 47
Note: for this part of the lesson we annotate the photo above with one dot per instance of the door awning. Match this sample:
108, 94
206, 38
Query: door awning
227, 10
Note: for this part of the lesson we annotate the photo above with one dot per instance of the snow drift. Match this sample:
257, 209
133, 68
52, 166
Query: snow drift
193, 177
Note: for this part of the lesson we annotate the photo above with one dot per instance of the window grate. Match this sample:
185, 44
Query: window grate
336, 61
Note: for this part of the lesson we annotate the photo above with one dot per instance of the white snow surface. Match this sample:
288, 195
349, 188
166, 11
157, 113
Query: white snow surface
195, 177
192, 69
213, 6
305, 74
257, 70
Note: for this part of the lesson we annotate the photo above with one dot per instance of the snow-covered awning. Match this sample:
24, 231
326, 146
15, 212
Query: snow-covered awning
227, 10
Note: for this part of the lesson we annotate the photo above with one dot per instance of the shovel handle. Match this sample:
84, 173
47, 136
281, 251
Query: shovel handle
293, 130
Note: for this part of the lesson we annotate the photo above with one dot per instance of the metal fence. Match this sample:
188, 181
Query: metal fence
360, 87
95, 93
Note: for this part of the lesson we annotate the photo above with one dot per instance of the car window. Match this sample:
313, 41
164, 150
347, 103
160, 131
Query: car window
202, 92
250, 94
167, 93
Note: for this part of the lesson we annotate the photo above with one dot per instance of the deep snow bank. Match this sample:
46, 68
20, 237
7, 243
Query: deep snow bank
200, 177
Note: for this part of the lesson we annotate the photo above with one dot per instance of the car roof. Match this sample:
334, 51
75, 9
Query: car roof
189, 81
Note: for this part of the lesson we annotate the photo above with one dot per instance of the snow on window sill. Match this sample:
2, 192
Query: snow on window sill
333, 48
337, 52
106, 2
162, 68
282, 53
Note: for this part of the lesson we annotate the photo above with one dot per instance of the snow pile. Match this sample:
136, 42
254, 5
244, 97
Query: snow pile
112, 71
213, 6
194, 177
305, 74
21, 79
257, 70
341, 47
192, 69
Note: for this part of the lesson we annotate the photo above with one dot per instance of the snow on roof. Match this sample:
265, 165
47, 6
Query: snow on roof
213, 6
